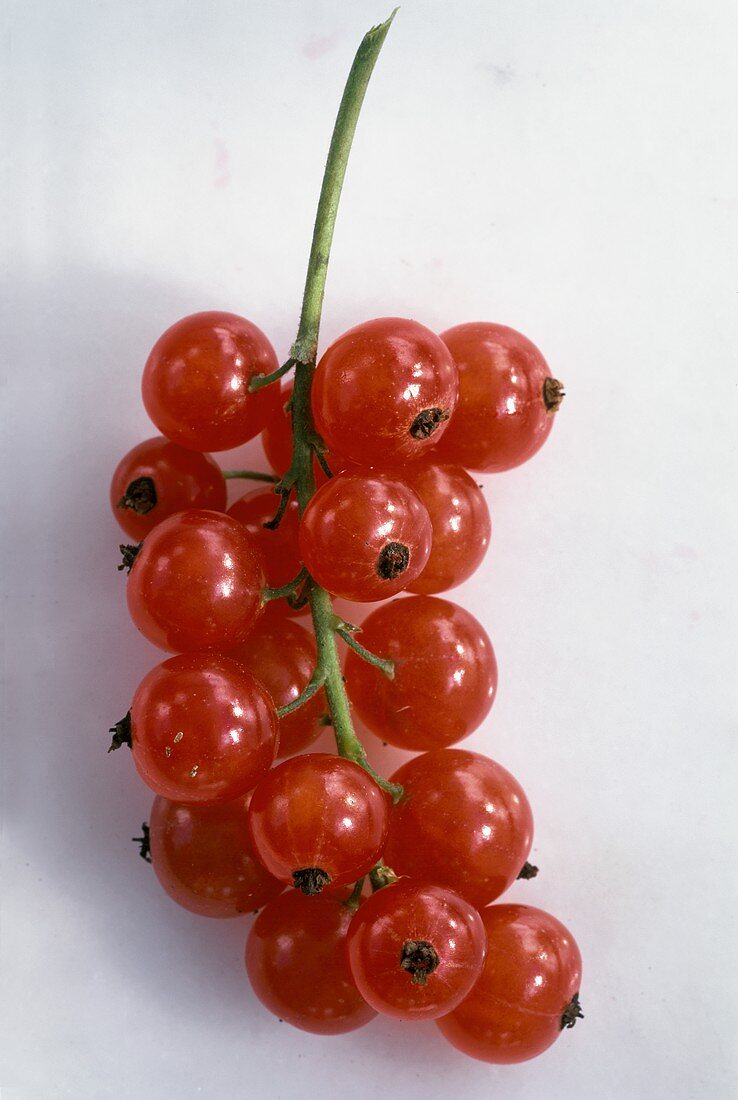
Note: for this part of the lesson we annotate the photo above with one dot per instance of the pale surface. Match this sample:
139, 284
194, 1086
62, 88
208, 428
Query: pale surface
562, 167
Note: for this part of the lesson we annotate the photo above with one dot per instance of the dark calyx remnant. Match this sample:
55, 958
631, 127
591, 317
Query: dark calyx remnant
426, 422
553, 394
144, 842
528, 870
122, 733
129, 555
572, 1013
419, 958
311, 880
393, 559
140, 496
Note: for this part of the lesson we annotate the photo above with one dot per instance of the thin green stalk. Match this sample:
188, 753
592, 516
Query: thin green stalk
306, 344
306, 441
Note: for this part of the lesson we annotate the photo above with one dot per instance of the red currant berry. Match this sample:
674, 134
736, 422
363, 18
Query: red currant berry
202, 729
279, 547
365, 536
445, 673
282, 655
157, 479
507, 398
460, 520
296, 962
528, 991
196, 583
318, 819
196, 381
415, 950
463, 822
384, 391
203, 858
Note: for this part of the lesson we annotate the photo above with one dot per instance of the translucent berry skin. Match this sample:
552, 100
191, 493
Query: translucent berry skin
395, 921
445, 673
318, 811
203, 729
532, 971
196, 379
296, 962
282, 656
279, 548
196, 583
460, 521
383, 392
501, 418
365, 536
175, 479
463, 822
202, 857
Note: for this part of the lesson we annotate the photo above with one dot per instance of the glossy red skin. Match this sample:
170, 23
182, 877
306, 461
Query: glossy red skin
532, 970
202, 857
460, 520
501, 419
319, 810
412, 911
463, 822
349, 522
296, 962
182, 479
196, 379
277, 442
372, 383
203, 729
282, 655
196, 583
279, 548
445, 673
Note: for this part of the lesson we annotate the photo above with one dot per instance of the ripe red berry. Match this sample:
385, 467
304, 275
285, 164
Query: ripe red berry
156, 479
507, 398
296, 962
196, 583
445, 673
196, 379
463, 822
365, 536
460, 520
415, 950
282, 656
528, 991
202, 729
279, 548
384, 391
318, 819
203, 858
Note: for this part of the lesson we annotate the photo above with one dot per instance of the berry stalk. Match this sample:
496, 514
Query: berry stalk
306, 442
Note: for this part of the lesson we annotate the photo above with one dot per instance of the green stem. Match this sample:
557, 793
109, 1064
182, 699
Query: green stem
306, 344
306, 441
382, 663
260, 380
381, 875
251, 475
285, 589
353, 900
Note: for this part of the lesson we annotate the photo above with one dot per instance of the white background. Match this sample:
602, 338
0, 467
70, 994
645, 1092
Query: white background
564, 167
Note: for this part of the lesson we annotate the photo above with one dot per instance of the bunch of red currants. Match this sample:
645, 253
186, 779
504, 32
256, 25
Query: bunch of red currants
370, 498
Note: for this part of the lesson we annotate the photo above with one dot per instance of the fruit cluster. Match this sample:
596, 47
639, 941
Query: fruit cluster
370, 453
